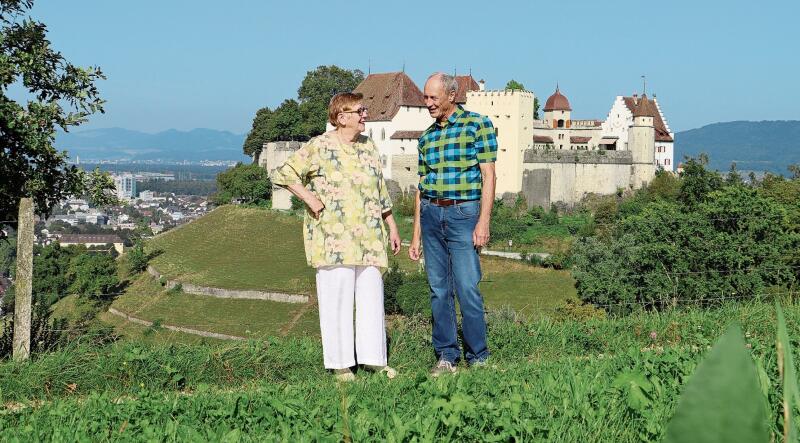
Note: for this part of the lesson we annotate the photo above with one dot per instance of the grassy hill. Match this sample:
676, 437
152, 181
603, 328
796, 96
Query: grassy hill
237, 248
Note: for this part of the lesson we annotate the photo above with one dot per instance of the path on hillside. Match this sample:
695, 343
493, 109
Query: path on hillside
175, 328
190, 288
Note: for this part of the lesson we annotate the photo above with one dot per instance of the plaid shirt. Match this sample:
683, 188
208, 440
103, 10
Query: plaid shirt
449, 154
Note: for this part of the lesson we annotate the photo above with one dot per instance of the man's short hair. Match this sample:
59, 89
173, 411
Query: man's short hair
342, 102
448, 81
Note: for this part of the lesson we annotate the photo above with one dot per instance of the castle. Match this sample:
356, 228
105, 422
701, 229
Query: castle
552, 160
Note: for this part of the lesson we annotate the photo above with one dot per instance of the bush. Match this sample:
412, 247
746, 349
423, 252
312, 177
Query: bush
137, 258
414, 296
404, 205
392, 281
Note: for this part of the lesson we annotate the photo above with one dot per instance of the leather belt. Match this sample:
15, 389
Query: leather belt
445, 201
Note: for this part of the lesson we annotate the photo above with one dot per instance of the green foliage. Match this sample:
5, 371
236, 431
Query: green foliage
697, 182
8, 255
403, 205
731, 243
392, 281
710, 410
248, 183
137, 258
316, 91
46, 335
93, 276
61, 95
286, 123
258, 134
414, 296
514, 85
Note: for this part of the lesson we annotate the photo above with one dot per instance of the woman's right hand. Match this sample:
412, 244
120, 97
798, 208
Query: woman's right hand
315, 206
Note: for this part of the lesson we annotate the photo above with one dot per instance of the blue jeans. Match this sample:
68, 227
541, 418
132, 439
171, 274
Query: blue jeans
454, 269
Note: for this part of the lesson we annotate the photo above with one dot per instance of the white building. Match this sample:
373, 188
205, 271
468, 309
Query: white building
126, 186
620, 119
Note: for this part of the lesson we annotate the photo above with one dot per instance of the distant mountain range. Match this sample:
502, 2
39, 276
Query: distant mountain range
170, 145
754, 146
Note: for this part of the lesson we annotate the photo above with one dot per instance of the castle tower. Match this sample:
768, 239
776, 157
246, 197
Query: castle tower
511, 113
641, 142
557, 111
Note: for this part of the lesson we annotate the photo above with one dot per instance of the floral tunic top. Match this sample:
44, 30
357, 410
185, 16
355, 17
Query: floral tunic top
348, 180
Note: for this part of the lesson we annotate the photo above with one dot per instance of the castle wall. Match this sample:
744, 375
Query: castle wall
404, 171
273, 155
566, 177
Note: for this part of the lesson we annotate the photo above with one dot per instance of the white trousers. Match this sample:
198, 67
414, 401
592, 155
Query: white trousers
337, 289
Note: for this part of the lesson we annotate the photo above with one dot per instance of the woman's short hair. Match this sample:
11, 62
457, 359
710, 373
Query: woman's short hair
342, 102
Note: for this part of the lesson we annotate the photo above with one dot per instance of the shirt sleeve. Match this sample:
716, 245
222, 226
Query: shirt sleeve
386, 200
298, 167
422, 168
486, 141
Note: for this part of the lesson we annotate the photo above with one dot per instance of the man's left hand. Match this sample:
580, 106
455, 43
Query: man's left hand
480, 237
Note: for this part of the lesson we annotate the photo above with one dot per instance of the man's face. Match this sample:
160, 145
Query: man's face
439, 104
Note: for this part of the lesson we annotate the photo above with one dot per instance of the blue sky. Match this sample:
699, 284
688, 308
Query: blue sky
187, 64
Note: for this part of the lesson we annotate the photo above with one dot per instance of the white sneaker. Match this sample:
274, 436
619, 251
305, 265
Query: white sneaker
443, 367
388, 370
344, 374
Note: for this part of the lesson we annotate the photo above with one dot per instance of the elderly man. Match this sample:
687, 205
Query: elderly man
451, 219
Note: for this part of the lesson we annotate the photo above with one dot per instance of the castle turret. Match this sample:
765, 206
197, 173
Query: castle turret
641, 141
557, 111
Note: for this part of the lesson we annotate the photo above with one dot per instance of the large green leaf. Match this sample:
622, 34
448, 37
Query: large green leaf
722, 401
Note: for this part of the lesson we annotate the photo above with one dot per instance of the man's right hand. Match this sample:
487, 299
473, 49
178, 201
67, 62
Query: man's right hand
415, 250
314, 206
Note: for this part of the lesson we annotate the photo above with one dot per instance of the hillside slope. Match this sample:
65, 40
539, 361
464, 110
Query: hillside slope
754, 146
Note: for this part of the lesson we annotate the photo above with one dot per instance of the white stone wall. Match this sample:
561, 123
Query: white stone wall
619, 119
273, 155
665, 155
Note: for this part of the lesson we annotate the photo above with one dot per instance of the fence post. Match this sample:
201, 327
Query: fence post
24, 281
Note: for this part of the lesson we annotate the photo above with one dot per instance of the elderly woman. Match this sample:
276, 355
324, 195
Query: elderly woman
338, 176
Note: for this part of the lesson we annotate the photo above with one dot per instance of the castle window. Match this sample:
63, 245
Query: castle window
370, 132
497, 132
561, 123
383, 134
666, 162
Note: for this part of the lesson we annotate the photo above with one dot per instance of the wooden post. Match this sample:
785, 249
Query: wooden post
24, 281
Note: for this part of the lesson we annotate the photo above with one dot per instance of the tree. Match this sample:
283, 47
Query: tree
61, 95
697, 182
248, 183
515, 85
93, 276
258, 133
316, 91
286, 123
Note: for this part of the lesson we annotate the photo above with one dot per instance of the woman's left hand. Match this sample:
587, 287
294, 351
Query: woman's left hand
394, 241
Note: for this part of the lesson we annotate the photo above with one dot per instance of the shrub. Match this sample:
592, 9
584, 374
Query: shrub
413, 297
137, 258
392, 281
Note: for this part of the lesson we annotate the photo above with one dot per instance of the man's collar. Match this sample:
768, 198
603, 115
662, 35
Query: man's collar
459, 111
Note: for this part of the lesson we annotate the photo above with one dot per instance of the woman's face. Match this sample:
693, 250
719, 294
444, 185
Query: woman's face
354, 119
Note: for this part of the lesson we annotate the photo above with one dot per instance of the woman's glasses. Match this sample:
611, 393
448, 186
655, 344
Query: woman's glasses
361, 110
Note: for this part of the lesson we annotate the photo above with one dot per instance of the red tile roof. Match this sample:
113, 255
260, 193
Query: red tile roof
579, 139
398, 135
385, 93
557, 102
542, 139
465, 84
634, 104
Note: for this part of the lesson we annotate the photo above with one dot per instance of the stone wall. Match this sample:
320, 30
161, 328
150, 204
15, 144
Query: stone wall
564, 178
404, 171
273, 155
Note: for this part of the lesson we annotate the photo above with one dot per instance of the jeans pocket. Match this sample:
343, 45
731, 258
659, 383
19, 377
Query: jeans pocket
468, 209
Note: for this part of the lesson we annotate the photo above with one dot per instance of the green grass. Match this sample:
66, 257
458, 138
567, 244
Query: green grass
237, 248
553, 380
146, 299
